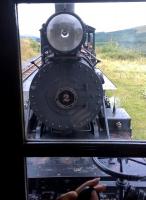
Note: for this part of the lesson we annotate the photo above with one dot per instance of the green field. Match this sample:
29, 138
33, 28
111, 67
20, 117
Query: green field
127, 70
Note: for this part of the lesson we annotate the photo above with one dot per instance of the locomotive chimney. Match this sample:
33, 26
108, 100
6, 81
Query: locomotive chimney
64, 7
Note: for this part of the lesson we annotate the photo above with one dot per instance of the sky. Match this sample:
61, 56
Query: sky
105, 17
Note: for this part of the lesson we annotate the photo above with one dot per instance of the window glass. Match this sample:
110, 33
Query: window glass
94, 90
48, 178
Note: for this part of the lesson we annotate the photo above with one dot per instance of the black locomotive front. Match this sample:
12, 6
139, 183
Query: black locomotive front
66, 93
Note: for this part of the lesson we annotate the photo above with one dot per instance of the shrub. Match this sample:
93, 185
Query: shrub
112, 50
29, 48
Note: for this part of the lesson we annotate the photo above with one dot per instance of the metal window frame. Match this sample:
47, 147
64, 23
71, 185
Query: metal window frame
12, 93
103, 148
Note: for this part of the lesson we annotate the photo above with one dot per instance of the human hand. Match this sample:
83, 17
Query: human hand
72, 195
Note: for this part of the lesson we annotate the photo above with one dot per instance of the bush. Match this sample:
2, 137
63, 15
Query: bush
29, 48
113, 50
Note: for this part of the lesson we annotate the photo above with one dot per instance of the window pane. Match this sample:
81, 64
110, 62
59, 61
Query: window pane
93, 86
50, 177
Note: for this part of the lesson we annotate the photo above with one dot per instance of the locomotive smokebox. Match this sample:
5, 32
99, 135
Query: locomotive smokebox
66, 94
64, 7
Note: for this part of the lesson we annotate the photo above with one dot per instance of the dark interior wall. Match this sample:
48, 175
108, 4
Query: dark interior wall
11, 116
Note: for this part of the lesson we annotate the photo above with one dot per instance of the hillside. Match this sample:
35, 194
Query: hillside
134, 38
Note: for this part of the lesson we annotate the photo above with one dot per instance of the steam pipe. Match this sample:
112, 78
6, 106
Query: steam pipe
62, 7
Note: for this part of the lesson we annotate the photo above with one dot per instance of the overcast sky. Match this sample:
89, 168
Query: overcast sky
103, 16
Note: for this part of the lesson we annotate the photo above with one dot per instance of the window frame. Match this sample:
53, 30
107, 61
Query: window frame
14, 134
103, 148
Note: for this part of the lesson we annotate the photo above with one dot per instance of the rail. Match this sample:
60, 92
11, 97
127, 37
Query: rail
27, 71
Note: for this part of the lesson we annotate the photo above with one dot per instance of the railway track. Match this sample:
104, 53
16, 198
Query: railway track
35, 64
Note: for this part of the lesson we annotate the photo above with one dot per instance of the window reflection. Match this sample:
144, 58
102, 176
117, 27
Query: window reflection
48, 178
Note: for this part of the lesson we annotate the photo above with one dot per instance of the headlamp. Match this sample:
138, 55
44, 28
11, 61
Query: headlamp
65, 32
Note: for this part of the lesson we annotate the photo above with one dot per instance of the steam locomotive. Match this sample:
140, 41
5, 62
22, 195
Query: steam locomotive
67, 95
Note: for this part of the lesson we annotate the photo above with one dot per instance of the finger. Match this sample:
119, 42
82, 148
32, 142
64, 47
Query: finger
90, 183
72, 195
100, 188
94, 195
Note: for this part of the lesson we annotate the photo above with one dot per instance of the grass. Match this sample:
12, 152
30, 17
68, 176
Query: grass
128, 73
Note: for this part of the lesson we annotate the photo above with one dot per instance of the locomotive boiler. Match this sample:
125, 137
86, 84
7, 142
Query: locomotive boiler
67, 97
